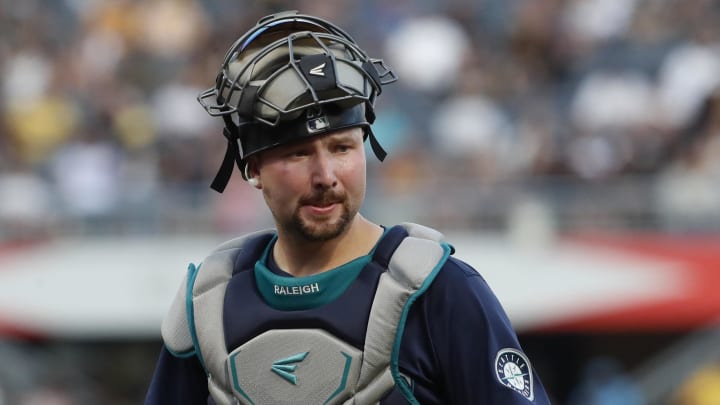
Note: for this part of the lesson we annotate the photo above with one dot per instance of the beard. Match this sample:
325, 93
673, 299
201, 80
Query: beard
323, 230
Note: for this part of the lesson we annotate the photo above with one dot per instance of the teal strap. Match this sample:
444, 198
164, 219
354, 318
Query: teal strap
190, 309
401, 382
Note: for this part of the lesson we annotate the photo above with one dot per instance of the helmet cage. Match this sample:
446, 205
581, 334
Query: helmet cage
286, 69
237, 91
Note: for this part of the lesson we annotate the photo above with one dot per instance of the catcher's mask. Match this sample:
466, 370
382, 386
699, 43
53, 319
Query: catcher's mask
289, 77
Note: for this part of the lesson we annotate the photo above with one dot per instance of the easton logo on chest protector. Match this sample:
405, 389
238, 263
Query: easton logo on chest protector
285, 367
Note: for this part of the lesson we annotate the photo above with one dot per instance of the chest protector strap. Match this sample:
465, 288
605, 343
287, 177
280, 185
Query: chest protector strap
194, 326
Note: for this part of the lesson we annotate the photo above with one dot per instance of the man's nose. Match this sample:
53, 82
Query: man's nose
323, 171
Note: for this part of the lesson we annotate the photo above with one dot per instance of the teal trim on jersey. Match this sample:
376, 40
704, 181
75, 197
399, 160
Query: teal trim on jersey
297, 293
236, 382
190, 309
400, 381
343, 381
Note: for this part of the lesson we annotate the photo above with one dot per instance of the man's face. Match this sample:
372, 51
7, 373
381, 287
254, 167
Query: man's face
314, 188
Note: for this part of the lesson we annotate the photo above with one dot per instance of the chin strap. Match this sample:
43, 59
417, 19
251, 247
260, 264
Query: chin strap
377, 149
232, 156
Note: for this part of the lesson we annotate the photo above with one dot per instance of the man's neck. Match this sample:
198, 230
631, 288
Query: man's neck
304, 258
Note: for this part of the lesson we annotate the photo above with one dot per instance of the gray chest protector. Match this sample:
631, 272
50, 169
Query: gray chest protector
302, 366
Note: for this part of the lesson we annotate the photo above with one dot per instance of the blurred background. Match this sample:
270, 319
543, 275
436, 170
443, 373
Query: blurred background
569, 149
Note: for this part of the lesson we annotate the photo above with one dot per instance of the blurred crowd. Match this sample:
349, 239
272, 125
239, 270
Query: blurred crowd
572, 112
528, 114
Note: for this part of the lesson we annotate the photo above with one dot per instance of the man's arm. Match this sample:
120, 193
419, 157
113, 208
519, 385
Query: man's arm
177, 381
476, 350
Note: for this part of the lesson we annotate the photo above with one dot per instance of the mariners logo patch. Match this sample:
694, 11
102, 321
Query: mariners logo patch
513, 370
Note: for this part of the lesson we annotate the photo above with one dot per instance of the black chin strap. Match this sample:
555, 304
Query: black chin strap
370, 118
377, 149
232, 156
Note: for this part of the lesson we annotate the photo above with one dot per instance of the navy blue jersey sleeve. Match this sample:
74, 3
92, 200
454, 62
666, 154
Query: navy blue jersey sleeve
177, 381
459, 347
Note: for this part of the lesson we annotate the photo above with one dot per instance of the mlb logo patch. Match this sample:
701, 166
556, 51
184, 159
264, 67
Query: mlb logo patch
316, 125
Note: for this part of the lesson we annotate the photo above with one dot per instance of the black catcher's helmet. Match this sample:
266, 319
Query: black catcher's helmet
292, 76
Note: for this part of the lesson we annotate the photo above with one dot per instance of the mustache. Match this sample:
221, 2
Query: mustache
322, 198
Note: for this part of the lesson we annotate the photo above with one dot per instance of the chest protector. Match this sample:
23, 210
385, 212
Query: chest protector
303, 366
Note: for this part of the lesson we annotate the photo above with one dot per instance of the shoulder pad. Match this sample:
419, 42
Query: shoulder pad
423, 232
175, 327
178, 326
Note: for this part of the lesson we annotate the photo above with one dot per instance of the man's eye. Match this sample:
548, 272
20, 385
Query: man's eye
297, 153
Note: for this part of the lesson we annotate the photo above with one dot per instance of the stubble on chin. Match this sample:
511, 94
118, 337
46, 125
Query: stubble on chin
320, 231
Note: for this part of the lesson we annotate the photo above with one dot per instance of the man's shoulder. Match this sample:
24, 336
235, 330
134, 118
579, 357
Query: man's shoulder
457, 276
460, 269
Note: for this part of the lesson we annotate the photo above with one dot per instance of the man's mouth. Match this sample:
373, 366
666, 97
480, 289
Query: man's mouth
322, 206
322, 201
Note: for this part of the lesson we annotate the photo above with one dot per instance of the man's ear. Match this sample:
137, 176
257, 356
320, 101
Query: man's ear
252, 173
